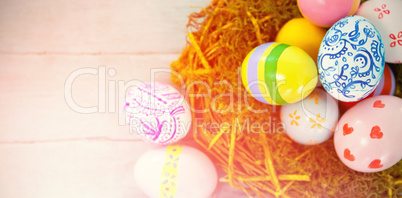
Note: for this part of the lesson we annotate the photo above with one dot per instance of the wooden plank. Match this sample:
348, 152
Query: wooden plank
75, 26
34, 105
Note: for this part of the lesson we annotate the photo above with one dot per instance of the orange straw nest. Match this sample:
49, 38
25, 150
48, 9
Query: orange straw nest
262, 161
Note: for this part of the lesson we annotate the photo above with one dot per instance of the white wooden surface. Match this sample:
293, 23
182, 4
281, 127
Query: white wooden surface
49, 150
130, 26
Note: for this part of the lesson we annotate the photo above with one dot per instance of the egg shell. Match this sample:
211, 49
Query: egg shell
369, 135
157, 113
325, 13
312, 120
300, 32
385, 87
386, 15
278, 74
351, 59
196, 174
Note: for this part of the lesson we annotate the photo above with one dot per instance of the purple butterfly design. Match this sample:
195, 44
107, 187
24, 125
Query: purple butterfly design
152, 128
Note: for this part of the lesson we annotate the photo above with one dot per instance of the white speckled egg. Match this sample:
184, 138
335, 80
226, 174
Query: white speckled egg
386, 15
157, 113
351, 59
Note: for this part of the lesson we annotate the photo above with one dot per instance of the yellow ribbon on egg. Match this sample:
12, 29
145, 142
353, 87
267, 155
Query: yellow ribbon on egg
168, 181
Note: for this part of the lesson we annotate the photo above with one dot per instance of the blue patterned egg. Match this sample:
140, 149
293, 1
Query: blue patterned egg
351, 59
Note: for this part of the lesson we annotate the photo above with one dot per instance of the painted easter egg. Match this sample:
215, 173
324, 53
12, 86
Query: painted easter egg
175, 171
157, 113
300, 32
326, 12
386, 15
278, 74
312, 120
351, 59
368, 138
385, 87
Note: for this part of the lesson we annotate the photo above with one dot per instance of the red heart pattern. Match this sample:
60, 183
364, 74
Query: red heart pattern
378, 104
376, 132
348, 156
375, 164
347, 130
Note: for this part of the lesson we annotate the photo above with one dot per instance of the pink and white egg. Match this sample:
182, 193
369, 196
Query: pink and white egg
157, 113
368, 138
385, 16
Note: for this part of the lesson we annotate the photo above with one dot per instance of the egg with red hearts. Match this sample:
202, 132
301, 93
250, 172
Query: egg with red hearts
368, 135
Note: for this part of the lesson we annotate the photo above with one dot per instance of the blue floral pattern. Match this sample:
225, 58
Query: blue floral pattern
351, 59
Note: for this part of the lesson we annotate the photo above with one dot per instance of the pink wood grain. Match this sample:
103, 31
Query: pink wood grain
72, 26
47, 149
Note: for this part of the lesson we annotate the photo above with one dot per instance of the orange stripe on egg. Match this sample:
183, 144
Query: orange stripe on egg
387, 81
355, 6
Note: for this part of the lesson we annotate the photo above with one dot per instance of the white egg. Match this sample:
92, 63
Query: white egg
386, 16
312, 120
157, 113
176, 171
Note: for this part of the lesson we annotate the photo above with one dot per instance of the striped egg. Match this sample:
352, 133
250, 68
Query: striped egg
278, 74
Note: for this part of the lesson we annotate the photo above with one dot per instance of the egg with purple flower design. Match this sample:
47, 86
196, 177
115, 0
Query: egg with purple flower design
351, 59
157, 113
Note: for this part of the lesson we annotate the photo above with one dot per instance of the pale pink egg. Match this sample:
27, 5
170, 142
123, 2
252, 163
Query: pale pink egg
386, 16
368, 138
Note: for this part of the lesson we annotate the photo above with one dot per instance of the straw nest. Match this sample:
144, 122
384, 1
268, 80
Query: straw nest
262, 162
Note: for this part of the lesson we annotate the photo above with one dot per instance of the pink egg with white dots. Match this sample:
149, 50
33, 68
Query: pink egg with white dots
368, 137
157, 113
